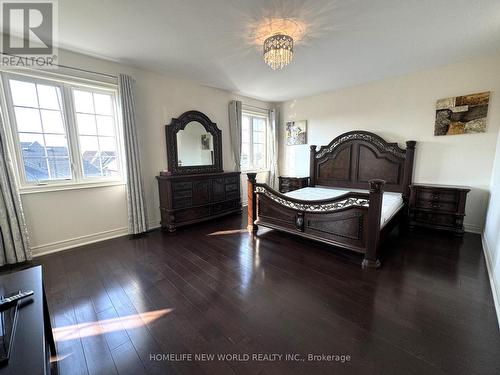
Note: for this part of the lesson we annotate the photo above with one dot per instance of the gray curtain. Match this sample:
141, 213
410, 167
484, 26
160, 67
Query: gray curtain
137, 221
14, 243
273, 148
235, 117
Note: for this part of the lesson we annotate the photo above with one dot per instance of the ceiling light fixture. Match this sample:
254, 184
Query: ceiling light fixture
278, 51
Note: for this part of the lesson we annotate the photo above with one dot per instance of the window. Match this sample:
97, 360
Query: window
96, 133
254, 142
63, 133
40, 129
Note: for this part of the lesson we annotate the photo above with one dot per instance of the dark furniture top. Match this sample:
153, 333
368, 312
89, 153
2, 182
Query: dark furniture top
353, 159
188, 199
179, 124
287, 184
30, 346
438, 207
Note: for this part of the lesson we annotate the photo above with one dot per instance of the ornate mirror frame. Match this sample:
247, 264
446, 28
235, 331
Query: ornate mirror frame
180, 123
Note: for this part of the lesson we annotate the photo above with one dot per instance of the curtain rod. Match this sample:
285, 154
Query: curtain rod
69, 67
253, 106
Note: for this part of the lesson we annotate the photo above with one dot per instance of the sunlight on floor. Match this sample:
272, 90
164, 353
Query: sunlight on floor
226, 232
107, 325
59, 357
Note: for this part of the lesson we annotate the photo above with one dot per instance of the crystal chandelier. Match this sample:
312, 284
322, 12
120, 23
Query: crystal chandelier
278, 51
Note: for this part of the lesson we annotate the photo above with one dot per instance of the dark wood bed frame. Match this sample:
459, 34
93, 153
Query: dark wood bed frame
356, 160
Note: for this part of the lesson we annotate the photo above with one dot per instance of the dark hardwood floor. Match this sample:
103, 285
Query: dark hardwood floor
122, 306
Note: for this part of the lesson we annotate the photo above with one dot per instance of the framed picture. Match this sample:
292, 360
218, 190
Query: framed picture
296, 133
462, 114
205, 141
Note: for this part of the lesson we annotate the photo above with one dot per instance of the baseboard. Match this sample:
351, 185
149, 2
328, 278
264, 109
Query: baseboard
54, 247
70, 243
471, 228
495, 290
154, 224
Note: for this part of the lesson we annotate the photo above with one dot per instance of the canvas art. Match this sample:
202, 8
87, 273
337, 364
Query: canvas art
296, 133
462, 114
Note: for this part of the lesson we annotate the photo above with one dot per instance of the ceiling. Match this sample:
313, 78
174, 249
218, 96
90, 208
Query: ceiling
343, 42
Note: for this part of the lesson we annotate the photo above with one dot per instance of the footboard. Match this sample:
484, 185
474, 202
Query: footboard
350, 221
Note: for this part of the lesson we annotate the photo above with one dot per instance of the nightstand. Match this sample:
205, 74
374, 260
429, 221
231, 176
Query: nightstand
438, 207
292, 183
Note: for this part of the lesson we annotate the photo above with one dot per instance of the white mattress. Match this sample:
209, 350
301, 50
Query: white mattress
391, 202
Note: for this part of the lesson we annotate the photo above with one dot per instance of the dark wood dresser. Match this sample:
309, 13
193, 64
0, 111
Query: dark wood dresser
187, 199
287, 184
438, 206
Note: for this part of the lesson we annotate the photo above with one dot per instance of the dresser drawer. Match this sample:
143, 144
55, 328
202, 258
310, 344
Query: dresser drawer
183, 194
232, 195
218, 189
192, 213
182, 202
184, 185
231, 179
224, 206
231, 187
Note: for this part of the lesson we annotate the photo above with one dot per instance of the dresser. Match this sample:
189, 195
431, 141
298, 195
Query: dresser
188, 199
438, 207
287, 184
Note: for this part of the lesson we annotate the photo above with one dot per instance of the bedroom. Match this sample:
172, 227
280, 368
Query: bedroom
159, 254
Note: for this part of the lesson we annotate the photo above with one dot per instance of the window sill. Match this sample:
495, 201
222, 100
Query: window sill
36, 189
256, 171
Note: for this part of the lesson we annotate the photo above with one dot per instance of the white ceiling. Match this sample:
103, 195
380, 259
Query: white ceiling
346, 42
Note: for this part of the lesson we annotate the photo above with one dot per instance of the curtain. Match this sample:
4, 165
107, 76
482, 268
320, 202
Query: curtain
235, 131
14, 243
273, 148
137, 221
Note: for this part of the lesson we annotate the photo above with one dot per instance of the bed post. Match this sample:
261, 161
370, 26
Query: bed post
374, 212
312, 166
252, 203
408, 172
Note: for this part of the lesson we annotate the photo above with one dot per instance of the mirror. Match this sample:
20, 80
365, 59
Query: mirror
195, 146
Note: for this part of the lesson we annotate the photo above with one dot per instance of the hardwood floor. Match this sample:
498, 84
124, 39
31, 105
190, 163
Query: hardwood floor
118, 306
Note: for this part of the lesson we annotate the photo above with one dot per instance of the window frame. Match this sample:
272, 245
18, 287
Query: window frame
68, 112
251, 166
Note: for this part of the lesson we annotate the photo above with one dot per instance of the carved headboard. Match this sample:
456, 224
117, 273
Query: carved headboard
354, 158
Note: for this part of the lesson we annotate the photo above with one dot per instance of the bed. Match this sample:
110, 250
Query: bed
358, 192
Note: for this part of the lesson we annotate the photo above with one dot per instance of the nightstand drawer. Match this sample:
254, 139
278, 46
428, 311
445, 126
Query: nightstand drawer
435, 219
437, 205
437, 195
292, 183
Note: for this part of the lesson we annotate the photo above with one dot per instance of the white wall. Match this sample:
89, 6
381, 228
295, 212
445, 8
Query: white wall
491, 235
403, 108
67, 218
